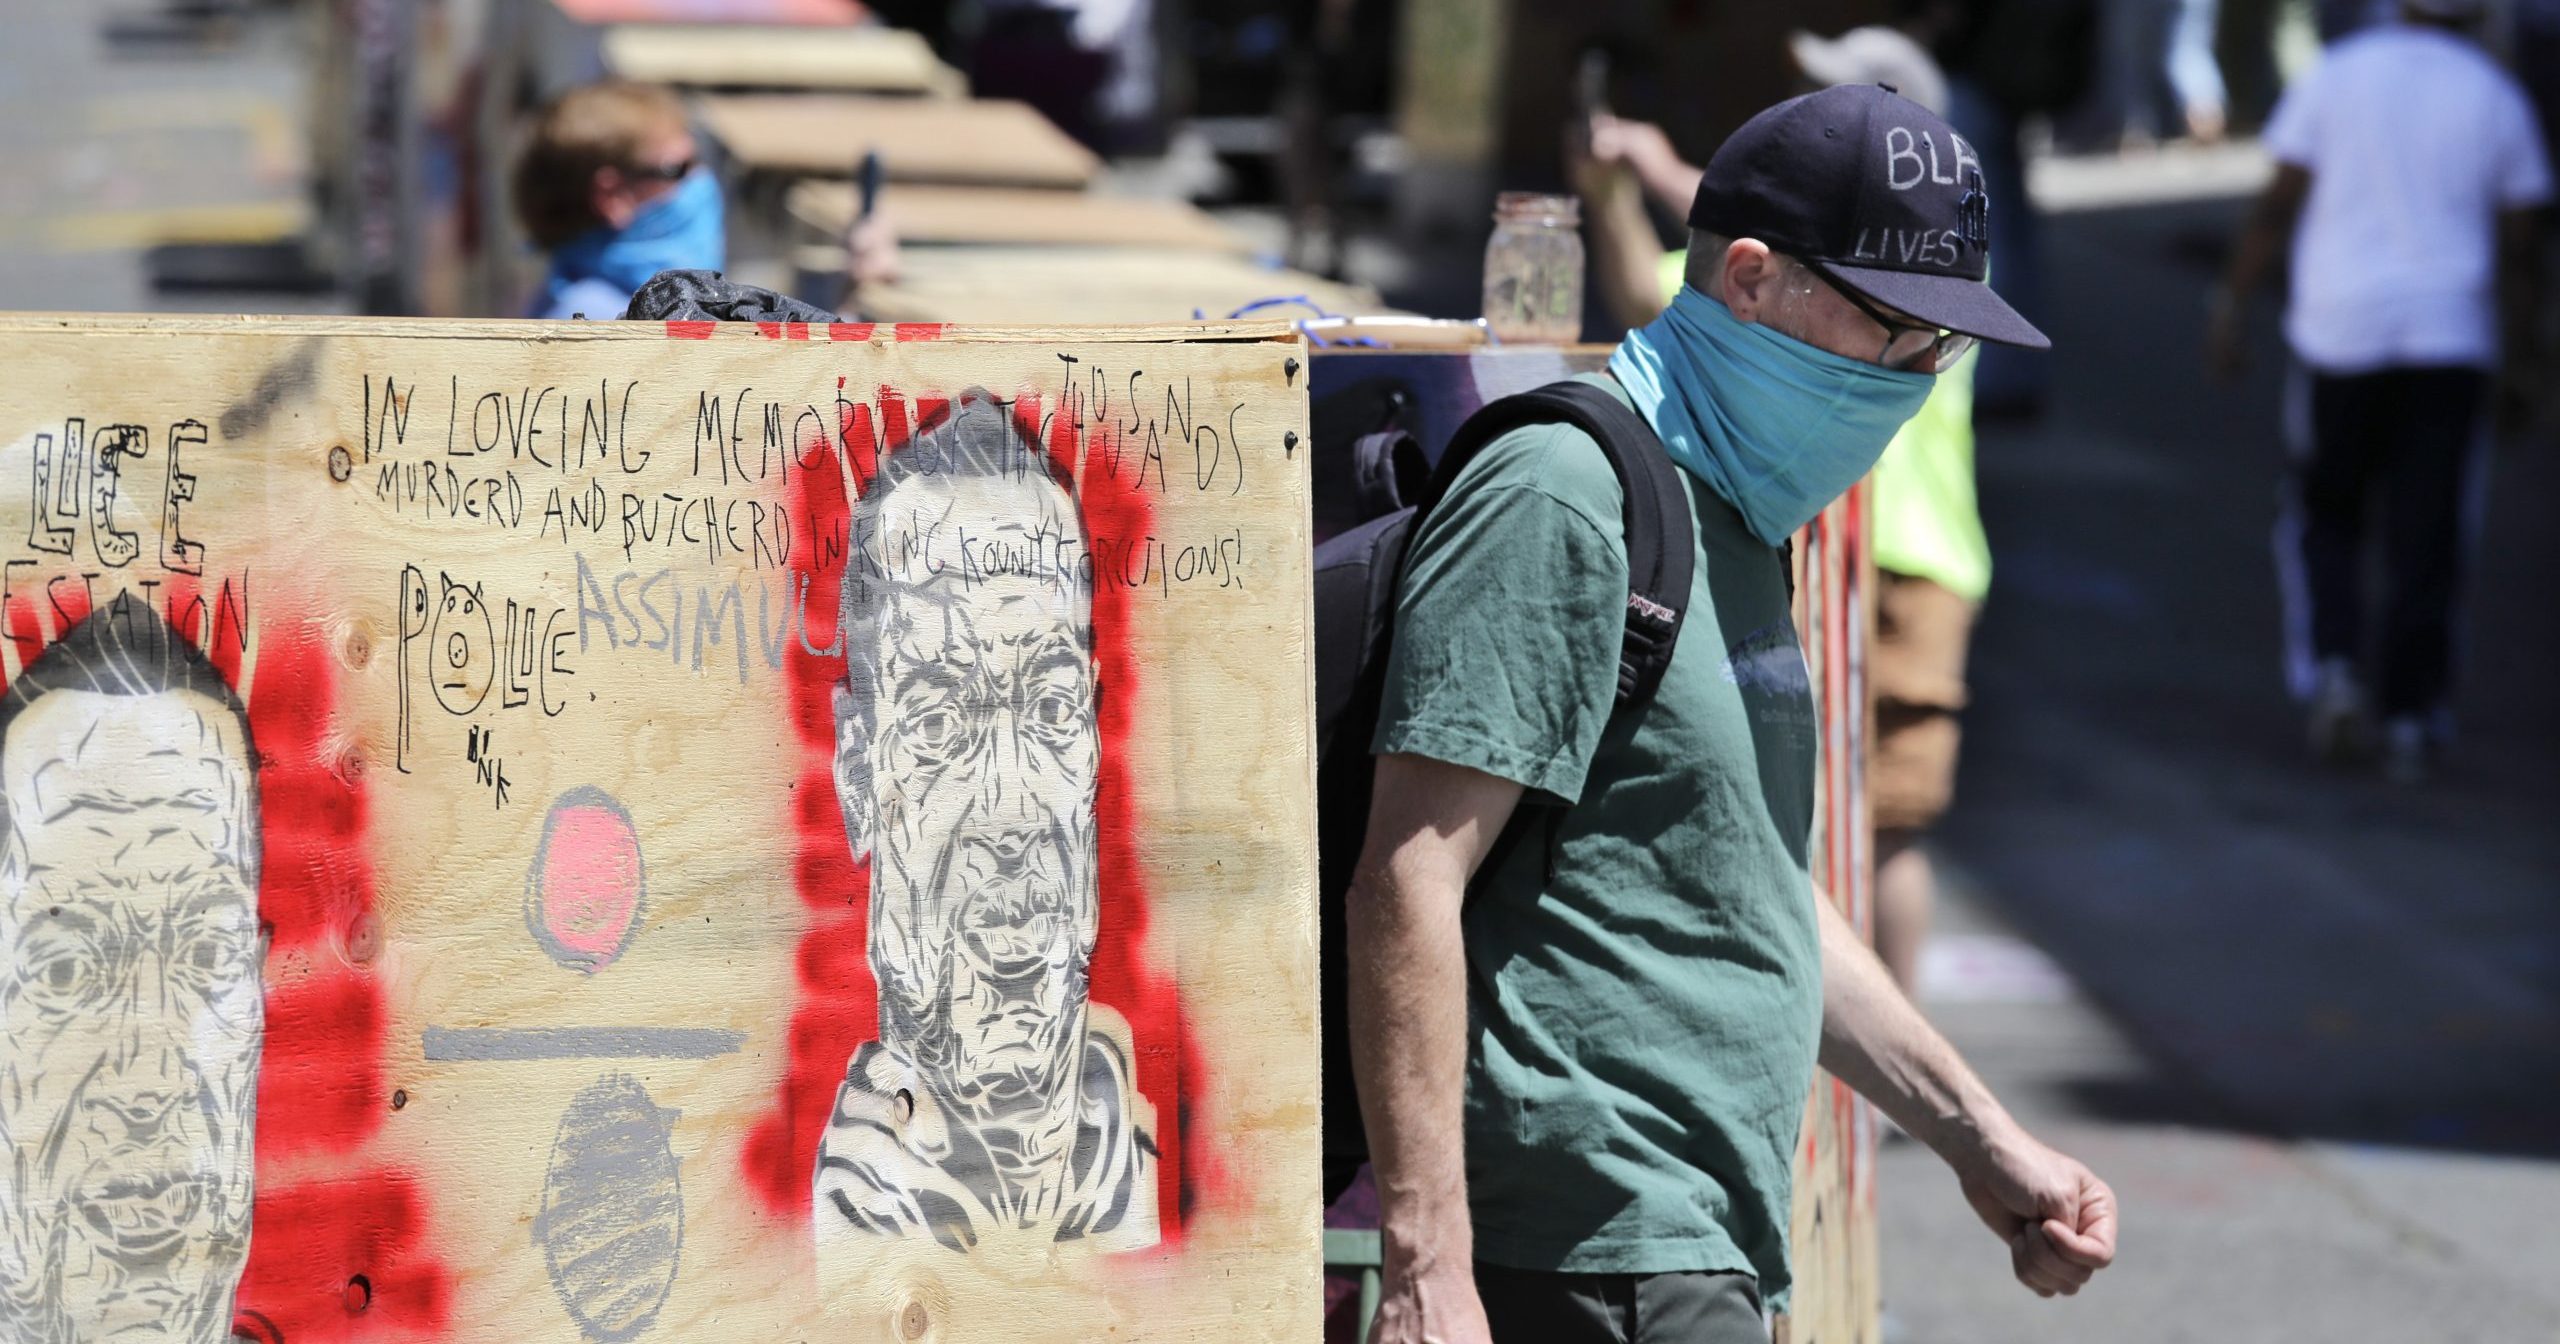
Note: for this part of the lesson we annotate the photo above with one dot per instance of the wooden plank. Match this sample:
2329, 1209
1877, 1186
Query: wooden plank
461, 749
530, 331
984, 142
851, 60
998, 215
1024, 284
1833, 1238
707, 12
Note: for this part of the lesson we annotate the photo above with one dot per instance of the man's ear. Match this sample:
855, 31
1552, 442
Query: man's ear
853, 769
1753, 279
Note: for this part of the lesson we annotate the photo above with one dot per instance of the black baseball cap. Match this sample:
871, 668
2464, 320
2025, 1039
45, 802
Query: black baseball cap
1878, 192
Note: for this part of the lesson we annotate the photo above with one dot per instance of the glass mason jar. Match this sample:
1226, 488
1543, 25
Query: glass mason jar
1533, 269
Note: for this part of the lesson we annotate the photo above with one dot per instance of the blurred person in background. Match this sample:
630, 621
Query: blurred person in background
1933, 561
1085, 64
612, 184
2195, 72
2009, 63
2410, 177
2157, 77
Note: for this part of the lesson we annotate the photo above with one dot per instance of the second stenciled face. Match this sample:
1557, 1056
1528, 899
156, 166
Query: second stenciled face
981, 751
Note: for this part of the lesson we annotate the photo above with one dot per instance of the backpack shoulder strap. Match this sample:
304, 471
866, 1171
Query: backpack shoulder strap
1660, 534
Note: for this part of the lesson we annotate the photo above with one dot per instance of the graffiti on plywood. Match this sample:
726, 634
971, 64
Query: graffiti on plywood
683, 832
129, 926
998, 1098
612, 1222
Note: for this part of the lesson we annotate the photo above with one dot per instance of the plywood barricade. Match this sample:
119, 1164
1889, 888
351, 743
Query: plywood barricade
1833, 1239
654, 831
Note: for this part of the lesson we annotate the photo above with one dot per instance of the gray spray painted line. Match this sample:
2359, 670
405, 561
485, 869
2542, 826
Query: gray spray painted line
519, 1043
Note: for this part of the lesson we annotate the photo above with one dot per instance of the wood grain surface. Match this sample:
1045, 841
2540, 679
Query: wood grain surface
980, 141
455, 729
745, 56
1098, 284
1002, 215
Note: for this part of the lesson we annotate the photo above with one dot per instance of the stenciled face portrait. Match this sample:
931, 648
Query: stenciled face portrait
967, 750
130, 960
981, 754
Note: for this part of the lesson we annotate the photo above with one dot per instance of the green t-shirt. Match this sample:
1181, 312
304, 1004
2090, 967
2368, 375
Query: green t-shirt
1644, 977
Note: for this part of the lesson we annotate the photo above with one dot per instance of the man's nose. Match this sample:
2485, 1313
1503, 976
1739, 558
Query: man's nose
1003, 759
1008, 852
138, 1090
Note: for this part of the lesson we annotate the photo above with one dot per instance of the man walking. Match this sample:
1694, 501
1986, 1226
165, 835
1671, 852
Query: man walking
1583, 1098
2409, 172
1933, 560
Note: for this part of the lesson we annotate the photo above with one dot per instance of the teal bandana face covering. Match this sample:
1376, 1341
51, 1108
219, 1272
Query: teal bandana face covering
1777, 427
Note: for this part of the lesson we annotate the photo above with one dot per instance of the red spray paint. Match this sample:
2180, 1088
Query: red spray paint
837, 1002
321, 1095
342, 1251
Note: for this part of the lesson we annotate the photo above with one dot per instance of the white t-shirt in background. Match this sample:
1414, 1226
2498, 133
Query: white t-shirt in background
2415, 141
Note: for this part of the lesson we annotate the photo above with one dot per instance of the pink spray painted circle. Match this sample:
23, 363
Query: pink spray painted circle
582, 899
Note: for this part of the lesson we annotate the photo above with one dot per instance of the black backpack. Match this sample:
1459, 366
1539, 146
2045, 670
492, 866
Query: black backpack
1356, 577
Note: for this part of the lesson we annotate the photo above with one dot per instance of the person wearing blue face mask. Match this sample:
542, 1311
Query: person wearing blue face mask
1582, 1098
611, 183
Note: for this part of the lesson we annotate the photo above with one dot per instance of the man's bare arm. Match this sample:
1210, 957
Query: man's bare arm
2263, 239
2058, 1218
1430, 825
1642, 146
1626, 257
2520, 282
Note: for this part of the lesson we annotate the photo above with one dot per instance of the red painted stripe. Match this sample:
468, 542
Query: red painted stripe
850, 331
835, 1004
320, 1072
920, 331
690, 331
69, 598
771, 331
854, 429
894, 430
18, 620
321, 1090
309, 1242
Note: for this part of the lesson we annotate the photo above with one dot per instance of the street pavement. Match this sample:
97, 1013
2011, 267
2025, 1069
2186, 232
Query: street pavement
109, 147
2307, 1023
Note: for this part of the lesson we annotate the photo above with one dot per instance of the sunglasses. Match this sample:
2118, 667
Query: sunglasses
662, 172
1905, 343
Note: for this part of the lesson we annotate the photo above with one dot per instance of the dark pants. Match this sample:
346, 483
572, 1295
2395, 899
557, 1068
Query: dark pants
1526, 1306
2400, 443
